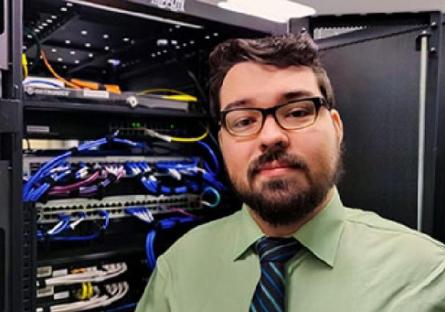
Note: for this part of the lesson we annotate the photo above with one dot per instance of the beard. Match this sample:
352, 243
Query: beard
284, 200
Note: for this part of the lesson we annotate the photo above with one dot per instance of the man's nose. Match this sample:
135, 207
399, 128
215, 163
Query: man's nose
272, 134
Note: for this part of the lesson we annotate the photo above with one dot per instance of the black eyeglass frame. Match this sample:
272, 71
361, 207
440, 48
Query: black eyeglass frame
317, 101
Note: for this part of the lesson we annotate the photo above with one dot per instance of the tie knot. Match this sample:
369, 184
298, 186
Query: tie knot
276, 249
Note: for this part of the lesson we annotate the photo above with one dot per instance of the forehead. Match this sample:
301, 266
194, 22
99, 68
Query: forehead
256, 84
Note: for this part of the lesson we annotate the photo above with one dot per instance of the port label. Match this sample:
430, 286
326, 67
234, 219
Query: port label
172, 5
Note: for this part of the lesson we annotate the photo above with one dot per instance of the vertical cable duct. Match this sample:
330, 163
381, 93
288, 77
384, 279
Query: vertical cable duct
422, 105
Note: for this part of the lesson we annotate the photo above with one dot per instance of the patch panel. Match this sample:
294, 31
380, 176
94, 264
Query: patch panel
114, 205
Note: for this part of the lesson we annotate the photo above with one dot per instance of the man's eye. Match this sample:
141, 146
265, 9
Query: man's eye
298, 113
243, 122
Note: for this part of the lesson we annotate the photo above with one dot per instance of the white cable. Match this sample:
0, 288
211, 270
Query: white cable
195, 169
149, 215
56, 227
120, 290
174, 173
147, 169
144, 215
135, 170
77, 306
121, 170
76, 223
88, 276
155, 134
117, 292
82, 172
140, 216
59, 169
111, 169
72, 306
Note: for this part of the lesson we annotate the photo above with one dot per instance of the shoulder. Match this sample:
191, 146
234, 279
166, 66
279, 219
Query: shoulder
397, 258
392, 240
372, 222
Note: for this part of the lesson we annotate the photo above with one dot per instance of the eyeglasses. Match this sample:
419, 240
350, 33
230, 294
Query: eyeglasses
292, 115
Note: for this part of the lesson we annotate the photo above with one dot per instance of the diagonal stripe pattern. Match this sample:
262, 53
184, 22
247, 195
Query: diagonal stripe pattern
273, 252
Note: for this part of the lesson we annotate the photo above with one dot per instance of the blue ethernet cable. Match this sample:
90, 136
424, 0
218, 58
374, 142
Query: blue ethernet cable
176, 165
180, 190
54, 163
128, 142
76, 238
163, 224
209, 178
165, 190
141, 167
48, 166
140, 212
88, 237
106, 215
212, 154
149, 249
64, 225
37, 193
215, 192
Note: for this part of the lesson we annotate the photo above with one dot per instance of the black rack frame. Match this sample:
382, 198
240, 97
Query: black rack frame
18, 246
16, 243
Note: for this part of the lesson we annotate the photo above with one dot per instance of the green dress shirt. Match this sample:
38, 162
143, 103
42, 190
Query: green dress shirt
353, 260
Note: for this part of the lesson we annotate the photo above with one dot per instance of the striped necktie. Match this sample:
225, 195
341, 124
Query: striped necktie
273, 252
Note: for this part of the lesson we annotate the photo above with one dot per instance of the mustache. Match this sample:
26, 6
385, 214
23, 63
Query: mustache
281, 156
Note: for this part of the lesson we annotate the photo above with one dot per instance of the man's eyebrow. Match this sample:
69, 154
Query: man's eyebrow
235, 104
297, 94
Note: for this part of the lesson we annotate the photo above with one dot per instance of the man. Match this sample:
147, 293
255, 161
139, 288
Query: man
293, 246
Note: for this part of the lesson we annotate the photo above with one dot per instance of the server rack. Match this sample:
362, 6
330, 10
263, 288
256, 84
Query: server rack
387, 70
147, 55
17, 228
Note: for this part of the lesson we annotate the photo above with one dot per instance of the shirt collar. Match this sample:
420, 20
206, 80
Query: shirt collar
248, 232
321, 235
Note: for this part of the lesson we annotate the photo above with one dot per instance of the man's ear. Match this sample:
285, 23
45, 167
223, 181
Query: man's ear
338, 124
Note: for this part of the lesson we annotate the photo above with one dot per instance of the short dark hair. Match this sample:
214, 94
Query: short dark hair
280, 51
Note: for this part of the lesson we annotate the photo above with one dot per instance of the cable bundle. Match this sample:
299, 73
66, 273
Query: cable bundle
93, 275
112, 175
58, 168
141, 213
84, 181
170, 177
59, 178
65, 225
114, 292
154, 178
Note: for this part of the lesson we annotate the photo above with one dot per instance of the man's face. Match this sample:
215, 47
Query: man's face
281, 174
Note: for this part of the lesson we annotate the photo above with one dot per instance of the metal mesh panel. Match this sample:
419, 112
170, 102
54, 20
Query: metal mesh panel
323, 33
